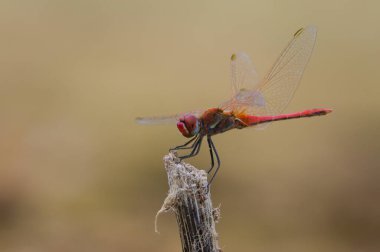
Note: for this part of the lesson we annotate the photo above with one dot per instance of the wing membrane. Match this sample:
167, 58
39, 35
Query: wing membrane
281, 82
164, 119
244, 79
274, 92
243, 73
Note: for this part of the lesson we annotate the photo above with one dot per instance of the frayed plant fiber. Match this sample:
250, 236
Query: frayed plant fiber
190, 200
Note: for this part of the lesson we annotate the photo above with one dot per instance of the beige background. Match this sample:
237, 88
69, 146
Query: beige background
77, 173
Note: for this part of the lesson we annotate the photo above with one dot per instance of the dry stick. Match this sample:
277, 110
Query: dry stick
189, 200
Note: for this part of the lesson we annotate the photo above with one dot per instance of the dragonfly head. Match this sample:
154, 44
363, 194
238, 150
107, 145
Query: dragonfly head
188, 125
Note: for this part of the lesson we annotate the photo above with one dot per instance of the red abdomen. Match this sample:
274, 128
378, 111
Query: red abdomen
251, 120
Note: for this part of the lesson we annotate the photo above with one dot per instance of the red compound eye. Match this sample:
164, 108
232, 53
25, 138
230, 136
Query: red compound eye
188, 125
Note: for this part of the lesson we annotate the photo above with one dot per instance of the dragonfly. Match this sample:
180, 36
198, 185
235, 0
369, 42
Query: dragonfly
254, 103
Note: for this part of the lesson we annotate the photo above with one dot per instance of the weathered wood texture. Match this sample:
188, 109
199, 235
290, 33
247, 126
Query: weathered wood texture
190, 200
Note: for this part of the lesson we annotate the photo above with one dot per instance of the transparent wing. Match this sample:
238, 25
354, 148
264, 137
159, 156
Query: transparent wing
280, 84
164, 119
274, 92
243, 73
244, 80
157, 119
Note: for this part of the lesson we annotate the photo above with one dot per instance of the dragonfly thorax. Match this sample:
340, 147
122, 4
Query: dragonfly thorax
188, 125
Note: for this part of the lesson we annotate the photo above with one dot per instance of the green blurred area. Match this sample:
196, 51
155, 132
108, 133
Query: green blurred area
77, 173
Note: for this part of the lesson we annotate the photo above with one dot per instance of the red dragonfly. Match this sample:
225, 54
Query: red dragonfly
253, 103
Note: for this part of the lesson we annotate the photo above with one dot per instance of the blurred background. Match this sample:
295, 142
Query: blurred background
77, 173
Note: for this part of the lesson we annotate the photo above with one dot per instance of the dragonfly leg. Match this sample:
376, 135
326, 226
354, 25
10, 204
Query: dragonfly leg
184, 146
196, 148
217, 167
211, 154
